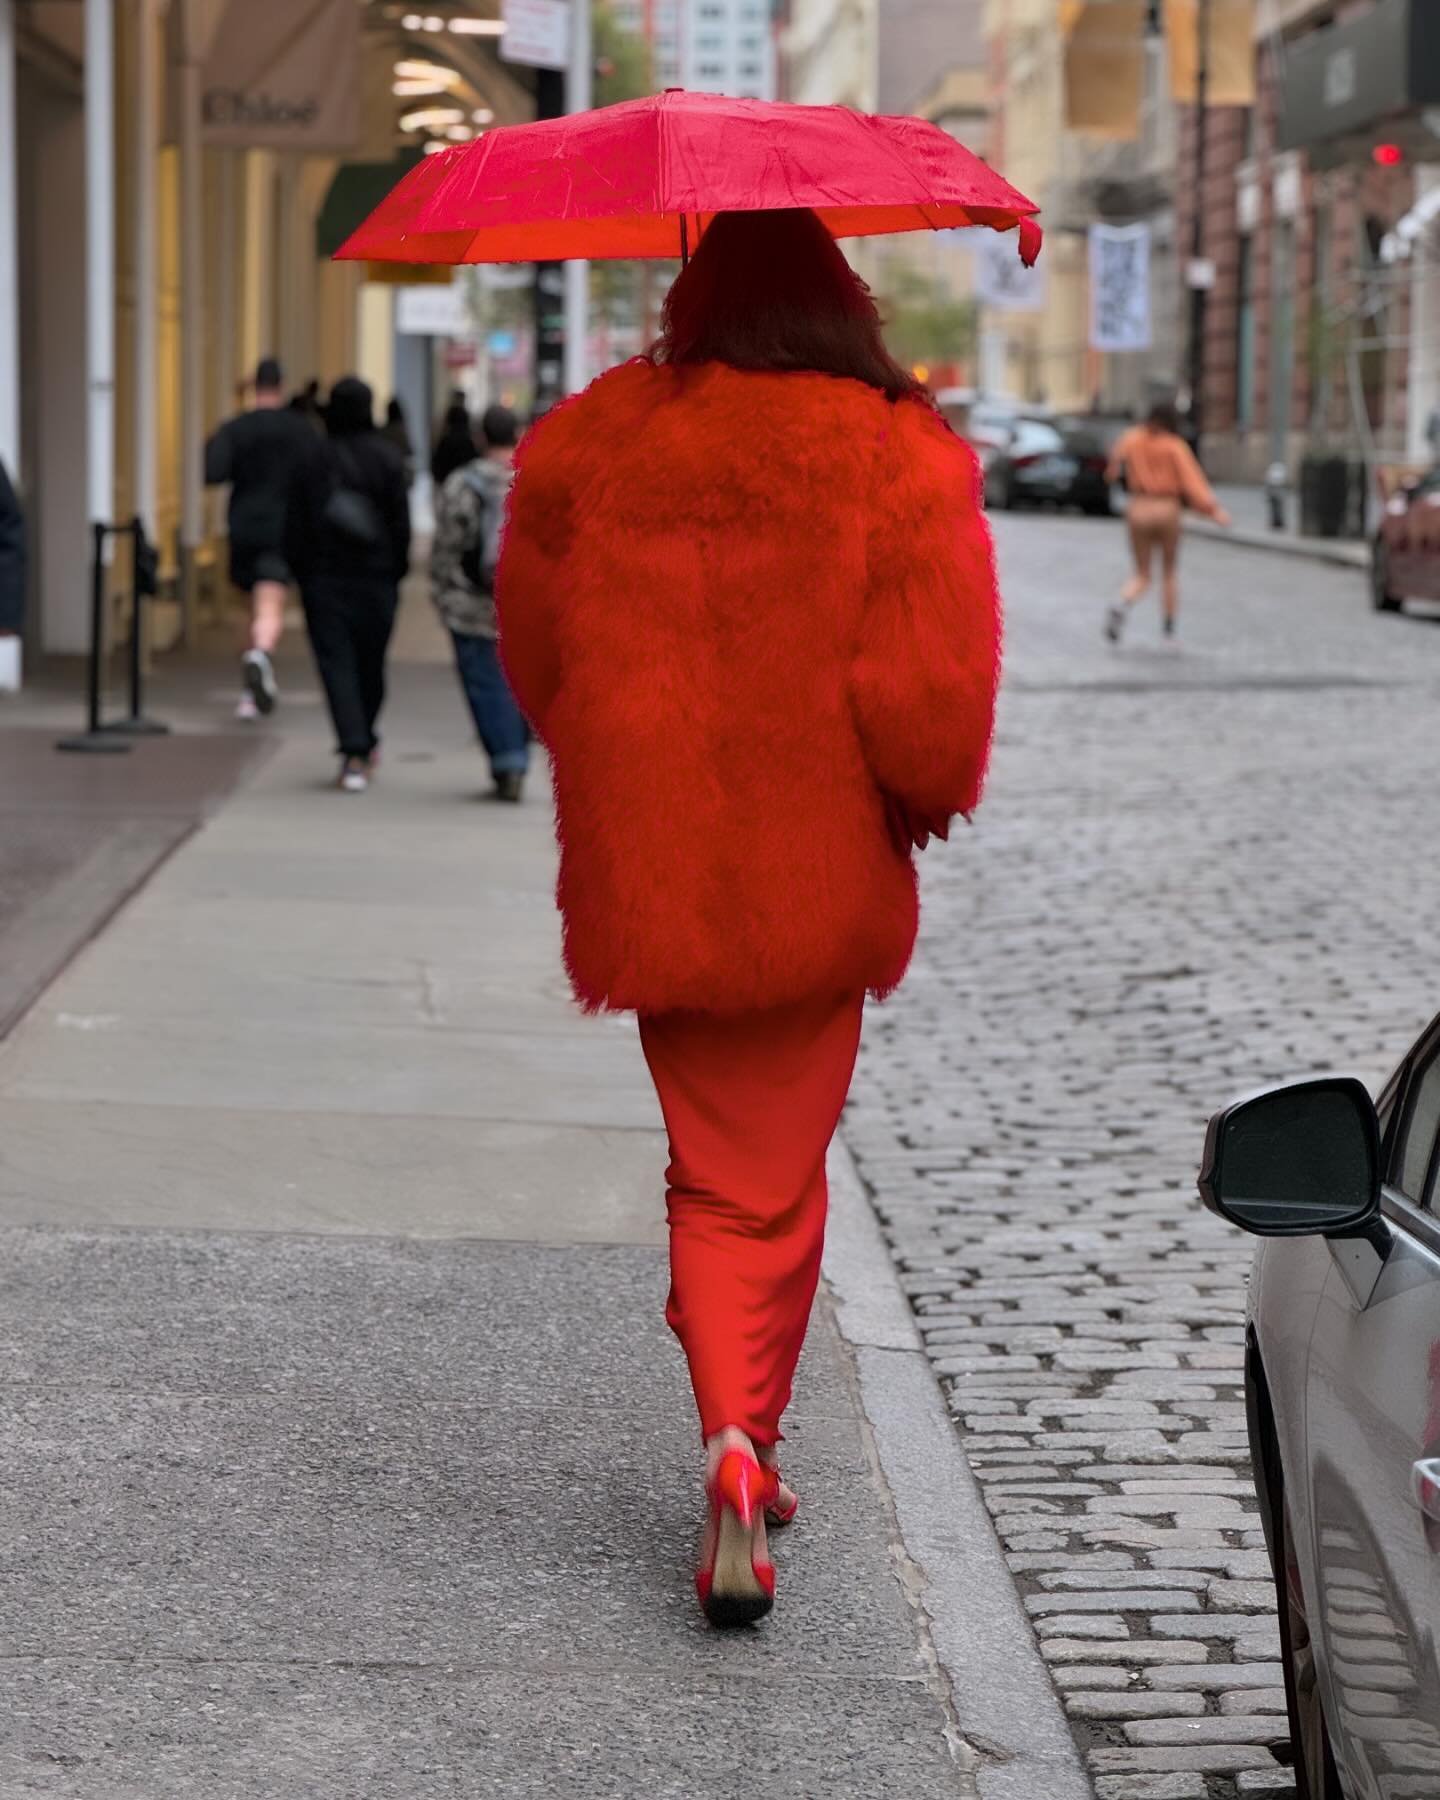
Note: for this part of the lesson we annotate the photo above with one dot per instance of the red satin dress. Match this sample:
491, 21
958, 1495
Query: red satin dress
751, 1104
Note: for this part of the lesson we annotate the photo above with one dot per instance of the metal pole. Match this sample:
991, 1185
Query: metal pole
136, 724
146, 406
578, 95
1199, 292
100, 253
192, 309
549, 291
95, 740
9, 250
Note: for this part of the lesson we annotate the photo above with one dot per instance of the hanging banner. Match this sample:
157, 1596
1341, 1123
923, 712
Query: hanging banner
1230, 74
1002, 281
1119, 287
1104, 48
274, 74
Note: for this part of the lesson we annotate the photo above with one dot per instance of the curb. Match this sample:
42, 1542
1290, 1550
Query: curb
999, 1686
1280, 543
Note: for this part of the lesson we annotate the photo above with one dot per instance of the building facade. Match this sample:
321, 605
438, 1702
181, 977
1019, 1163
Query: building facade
1317, 337
830, 53
708, 46
147, 263
1079, 179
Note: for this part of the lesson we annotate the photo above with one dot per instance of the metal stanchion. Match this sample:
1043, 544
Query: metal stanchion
142, 567
95, 740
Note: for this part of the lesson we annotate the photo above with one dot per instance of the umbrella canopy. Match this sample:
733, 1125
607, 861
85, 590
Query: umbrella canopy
643, 178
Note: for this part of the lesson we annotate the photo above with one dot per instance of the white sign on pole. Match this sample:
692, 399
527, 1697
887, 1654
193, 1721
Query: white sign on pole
1120, 287
1001, 280
431, 312
537, 33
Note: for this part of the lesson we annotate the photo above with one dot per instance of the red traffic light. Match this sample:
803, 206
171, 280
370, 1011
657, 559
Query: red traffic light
1387, 156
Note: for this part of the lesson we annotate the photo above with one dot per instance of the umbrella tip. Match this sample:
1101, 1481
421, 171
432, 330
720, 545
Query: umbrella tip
1031, 238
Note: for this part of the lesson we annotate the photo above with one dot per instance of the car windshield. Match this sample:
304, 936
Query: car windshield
1033, 437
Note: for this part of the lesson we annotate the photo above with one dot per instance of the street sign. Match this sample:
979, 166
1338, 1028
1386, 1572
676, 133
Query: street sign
1200, 273
537, 33
430, 312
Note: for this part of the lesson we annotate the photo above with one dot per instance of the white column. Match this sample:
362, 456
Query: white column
147, 137
100, 254
577, 274
9, 250
192, 308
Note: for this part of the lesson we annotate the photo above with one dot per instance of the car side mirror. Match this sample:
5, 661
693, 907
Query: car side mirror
1297, 1160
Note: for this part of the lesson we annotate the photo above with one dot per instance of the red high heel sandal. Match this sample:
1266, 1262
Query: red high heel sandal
775, 1513
736, 1587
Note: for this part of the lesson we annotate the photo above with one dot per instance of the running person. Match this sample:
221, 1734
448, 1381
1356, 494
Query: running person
259, 453
1161, 476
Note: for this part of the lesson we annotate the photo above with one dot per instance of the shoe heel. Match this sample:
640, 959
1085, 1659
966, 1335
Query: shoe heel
736, 1589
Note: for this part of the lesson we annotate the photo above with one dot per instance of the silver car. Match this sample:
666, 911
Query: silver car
1343, 1384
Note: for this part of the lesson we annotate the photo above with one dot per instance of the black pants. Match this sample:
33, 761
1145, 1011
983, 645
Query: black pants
349, 620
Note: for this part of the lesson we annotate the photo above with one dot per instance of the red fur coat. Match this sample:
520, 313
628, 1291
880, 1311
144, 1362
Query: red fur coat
740, 609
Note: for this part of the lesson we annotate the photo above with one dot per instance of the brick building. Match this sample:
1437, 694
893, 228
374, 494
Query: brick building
1313, 338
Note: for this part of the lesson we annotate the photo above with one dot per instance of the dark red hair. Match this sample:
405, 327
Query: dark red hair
772, 290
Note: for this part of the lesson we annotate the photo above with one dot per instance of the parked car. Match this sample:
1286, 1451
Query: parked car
1405, 554
1342, 1380
1042, 462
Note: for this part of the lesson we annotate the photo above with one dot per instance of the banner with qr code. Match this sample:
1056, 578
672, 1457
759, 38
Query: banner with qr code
1120, 287
1001, 280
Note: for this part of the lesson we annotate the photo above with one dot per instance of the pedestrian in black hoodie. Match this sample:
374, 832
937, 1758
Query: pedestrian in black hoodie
455, 445
349, 544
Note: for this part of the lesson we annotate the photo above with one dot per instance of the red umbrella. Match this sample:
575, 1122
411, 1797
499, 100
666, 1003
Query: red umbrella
643, 178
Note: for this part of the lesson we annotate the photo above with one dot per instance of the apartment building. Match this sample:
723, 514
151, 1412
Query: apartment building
709, 46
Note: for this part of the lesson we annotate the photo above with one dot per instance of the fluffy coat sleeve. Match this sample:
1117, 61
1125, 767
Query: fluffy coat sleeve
539, 525
926, 669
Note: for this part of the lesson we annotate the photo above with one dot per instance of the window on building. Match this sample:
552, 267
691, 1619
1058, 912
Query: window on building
750, 71
1245, 336
710, 71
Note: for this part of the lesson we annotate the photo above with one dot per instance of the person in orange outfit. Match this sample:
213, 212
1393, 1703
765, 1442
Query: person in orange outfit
1161, 477
747, 599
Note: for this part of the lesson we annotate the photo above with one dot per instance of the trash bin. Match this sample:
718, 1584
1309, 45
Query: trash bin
1332, 497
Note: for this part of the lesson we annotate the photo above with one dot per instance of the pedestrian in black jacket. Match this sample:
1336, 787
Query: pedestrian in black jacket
348, 542
258, 453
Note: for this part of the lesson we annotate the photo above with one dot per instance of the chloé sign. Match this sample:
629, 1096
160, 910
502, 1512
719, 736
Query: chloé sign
274, 74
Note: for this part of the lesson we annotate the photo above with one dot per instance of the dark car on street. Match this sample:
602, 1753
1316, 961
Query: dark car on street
1405, 554
1044, 462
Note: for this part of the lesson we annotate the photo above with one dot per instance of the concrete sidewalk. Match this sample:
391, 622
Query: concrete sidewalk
1251, 530
344, 1450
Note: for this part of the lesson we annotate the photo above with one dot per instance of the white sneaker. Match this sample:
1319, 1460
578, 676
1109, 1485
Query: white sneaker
258, 673
354, 778
246, 709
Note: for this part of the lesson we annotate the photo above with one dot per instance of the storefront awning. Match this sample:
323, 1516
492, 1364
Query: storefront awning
357, 189
1373, 76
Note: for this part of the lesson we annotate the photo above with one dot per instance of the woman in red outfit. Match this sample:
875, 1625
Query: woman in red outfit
747, 599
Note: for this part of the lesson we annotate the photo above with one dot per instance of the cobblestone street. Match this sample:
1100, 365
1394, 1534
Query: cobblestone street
1201, 868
